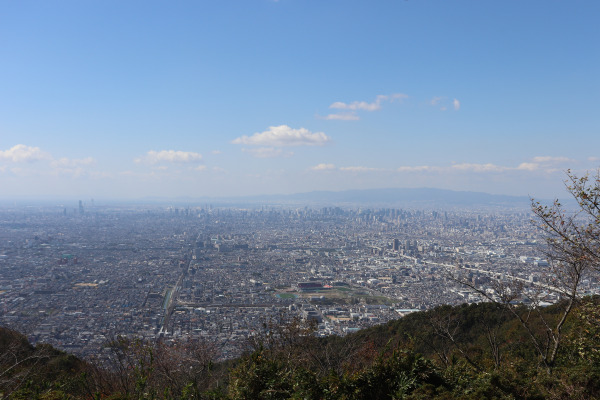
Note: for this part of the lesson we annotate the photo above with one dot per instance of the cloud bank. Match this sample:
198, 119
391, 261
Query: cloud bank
539, 163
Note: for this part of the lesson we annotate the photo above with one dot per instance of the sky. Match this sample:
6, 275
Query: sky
132, 99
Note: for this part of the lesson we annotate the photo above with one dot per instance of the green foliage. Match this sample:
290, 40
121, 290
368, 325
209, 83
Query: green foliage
391, 377
264, 376
585, 341
403, 359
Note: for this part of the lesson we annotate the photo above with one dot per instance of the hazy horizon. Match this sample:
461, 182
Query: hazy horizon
382, 198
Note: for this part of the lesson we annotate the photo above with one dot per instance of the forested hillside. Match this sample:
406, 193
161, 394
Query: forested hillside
470, 351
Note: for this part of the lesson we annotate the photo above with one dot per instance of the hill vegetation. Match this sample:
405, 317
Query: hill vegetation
469, 351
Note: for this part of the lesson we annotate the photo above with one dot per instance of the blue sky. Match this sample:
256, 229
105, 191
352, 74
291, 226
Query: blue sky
127, 99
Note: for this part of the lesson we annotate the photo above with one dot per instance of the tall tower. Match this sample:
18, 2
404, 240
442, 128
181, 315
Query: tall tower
80, 207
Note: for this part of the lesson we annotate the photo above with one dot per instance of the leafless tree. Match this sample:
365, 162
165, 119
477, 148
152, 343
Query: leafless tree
573, 246
19, 360
141, 366
573, 250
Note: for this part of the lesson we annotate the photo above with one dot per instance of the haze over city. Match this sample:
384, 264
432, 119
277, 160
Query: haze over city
132, 99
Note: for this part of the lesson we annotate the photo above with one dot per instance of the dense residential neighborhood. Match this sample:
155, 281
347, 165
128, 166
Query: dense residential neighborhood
75, 277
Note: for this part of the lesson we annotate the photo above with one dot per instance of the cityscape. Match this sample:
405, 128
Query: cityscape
286, 199
77, 276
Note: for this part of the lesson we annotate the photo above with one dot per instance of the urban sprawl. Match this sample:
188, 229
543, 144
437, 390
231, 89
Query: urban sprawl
77, 277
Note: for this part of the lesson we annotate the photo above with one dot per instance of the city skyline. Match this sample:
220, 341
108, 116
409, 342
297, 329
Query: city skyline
201, 99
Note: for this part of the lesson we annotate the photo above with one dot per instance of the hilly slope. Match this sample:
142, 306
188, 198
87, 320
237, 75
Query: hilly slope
469, 351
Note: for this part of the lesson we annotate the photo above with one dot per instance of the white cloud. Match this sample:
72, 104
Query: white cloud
359, 169
268, 152
594, 159
216, 152
357, 105
419, 168
283, 135
528, 166
23, 153
444, 104
538, 164
364, 106
456, 104
551, 160
323, 167
479, 167
50, 166
341, 117
171, 156
543, 162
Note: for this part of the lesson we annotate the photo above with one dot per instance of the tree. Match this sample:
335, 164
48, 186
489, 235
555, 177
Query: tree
148, 368
573, 245
572, 238
19, 360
